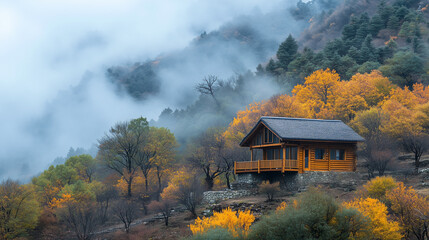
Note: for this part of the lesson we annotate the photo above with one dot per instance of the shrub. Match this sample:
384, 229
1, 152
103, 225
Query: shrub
410, 209
270, 189
214, 234
313, 215
376, 211
236, 222
379, 186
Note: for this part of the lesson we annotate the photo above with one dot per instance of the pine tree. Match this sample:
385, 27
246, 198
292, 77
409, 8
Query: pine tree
287, 51
375, 25
271, 67
367, 51
354, 53
393, 22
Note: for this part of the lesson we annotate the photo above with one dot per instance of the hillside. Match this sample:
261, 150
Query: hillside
362, 62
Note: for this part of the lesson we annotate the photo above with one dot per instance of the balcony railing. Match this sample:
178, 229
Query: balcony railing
279, 165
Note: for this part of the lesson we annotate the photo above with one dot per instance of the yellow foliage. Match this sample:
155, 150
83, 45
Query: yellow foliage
410, 209
376, 211
379, 186
182, 177
281, 207
238, 223
319, 92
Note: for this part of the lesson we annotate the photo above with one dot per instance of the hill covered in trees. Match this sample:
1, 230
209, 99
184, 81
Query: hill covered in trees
370, 70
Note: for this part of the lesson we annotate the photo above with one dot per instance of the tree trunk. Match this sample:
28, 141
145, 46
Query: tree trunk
416, 163
129, 194
159, 184
227, 180
209, 182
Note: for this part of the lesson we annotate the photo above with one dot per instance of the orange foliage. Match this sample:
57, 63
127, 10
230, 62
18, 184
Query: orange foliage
281, 207
323, 95
238, 223
411, 210
376, 211
319, 92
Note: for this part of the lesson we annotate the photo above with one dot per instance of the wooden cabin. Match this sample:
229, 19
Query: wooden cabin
279, 144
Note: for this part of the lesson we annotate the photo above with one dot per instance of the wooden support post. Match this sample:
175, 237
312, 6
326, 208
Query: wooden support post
235, 167
284, 159
259, 167
251, 154
329, 160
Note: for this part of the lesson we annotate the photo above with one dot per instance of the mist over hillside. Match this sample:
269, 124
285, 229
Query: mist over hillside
56, 89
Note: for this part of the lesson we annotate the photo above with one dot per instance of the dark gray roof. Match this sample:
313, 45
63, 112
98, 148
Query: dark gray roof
307, 129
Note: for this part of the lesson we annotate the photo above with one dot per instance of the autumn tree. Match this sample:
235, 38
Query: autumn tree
19, 209
84, 164
184, 188
163, 143
411, 210
380, 225
120, 147
318, 93
49, 184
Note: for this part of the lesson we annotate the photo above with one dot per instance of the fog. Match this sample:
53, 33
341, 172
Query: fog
53, 59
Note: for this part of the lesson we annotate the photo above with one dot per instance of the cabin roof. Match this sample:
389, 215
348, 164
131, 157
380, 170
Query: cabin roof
306, 129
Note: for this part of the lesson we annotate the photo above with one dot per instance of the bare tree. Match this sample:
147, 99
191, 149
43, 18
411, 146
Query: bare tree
204, 155
378, 153
164, 207
120, 147
104, 197
190, 195
82, 218
417, 144
208, 87
126, 211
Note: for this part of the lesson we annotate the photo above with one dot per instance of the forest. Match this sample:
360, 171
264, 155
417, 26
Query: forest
371, 72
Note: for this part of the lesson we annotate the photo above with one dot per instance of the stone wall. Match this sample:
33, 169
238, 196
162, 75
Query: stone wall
293, 181
215, 196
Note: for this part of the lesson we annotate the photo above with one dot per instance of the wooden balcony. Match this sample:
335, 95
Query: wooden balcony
280, 165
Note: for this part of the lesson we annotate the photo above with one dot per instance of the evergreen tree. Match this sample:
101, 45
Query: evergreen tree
287, 51
271, 67
367, 51
260, 70
385, 12
354, 53
393, 22
401, 13
375, 25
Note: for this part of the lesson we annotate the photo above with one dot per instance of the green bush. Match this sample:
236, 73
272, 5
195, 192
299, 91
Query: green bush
214, 234
315, 215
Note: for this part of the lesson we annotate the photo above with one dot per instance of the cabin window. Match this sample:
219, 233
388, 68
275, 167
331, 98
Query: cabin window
337, 154
292, 153
273, 154
319, 153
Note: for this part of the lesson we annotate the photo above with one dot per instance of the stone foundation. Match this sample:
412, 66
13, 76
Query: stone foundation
293, 181
215, 196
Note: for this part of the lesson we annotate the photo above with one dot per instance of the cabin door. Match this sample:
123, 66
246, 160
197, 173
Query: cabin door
306, 159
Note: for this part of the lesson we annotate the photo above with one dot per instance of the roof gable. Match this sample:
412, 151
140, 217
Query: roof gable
306, 129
